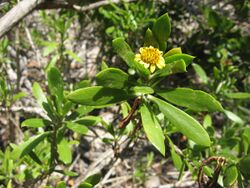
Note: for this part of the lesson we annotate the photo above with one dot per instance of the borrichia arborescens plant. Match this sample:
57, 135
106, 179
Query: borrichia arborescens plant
147, 67
156, 111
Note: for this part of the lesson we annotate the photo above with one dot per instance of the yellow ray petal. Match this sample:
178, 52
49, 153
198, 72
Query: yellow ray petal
152, 68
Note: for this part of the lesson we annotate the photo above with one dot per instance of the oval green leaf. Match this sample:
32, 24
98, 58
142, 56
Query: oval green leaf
39, 94
140, 90
27, 146
125, 52
173, 51
78, 128
177, 57
93, 179
152, 129
186, 124
35, 123
61, 184
195, 100
232, 116
244, 166
231, 175
89, 120
200, 72
171, 68
162, 30
64, 151
55, 83
149, 39
175, 157
97, 95
113, 78
238, 95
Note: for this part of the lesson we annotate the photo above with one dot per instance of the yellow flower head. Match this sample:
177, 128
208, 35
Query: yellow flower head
150, 57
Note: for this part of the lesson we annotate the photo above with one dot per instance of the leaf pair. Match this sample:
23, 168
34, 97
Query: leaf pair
184, 123
157, 38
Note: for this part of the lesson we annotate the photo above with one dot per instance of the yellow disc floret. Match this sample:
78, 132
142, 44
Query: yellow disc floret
150, 57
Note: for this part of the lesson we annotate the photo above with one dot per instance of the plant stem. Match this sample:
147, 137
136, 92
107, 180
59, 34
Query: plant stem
127, 119
53, 149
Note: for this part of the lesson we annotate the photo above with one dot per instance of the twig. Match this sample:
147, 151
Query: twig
123, 179
17, 13
220, 162
38, 54
97, 5
124, 122
109, 173
27, 109
17, 58
25, 7
99, 164
66, 178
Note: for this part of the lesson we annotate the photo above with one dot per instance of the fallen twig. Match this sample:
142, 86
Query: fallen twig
25, 7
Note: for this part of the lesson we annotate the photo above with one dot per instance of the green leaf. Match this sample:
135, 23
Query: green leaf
125, 52
35, 158
113, 78
89, 120
27, 146
93, 179
149, 39
161, 30
73, 55
67, 173
35, 123
80, 111
175, 157
52, 62
171, 68
239, 95
68, 105
39, 95
97, 95
193, 99
244, 166
104, 66
9, 185
82, 84
78, 128
55, 83
246, 134
61, 184
152, 129
177, 57
186, 124
50, 47
19, 95
85, 185
231, 175
207, 122
64, 151
140, 90
208, 171
200, 72
173, 51
141, 69
232, 116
